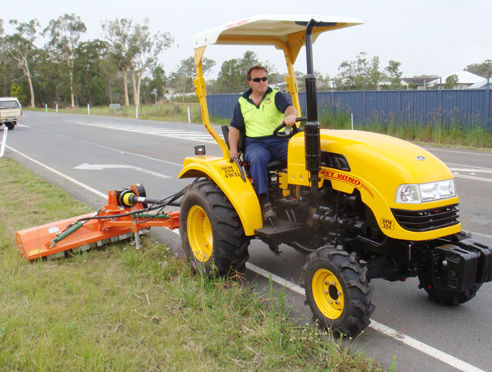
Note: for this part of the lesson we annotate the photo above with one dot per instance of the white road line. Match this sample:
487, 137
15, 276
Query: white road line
68, 178
123, 152
101, 167
163, 132
427, 349
398, 336
390, 332
277, 279
481, 234
474, 167
458, 152
471, 170
458, 175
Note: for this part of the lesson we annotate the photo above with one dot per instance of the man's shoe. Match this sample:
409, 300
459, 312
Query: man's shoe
268, 213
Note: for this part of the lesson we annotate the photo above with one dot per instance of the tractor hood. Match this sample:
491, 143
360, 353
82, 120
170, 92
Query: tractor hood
380, 162
367, 152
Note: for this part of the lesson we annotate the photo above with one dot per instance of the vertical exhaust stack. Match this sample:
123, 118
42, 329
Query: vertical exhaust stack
311, 128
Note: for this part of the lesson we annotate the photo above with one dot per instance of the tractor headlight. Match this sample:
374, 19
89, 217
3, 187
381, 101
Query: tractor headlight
425, 192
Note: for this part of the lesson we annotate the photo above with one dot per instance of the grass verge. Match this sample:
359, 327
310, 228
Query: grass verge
121, 309
174, 112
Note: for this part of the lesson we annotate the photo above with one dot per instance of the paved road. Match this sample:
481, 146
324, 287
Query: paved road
103, 153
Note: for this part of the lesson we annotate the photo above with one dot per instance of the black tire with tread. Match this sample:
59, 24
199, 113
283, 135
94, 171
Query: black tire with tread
356, 290
230, 244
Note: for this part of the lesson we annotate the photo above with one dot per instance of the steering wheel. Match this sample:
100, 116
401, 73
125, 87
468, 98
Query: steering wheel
288, 133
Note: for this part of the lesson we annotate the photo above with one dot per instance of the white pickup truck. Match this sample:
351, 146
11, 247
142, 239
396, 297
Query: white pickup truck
10, 111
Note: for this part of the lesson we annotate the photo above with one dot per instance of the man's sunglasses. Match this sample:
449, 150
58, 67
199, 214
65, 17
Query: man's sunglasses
257, 80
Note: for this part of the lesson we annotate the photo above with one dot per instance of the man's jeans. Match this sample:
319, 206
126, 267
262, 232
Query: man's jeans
261, 151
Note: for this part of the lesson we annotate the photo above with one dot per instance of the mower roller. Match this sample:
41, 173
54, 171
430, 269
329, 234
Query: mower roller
126, 213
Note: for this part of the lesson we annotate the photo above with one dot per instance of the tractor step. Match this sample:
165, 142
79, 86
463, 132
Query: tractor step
281, 231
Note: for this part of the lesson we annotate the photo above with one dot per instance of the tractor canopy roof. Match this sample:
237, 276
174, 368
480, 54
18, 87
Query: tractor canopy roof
272, 29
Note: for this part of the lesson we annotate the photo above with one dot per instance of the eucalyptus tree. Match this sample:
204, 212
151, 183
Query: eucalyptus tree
64, 34
360, 73
232, 75
394, 73
158, 81
119, 34
146, 49
182, 79
93, 71
20, 47
483, 69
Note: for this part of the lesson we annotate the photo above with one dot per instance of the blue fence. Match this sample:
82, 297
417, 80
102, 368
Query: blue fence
466, 108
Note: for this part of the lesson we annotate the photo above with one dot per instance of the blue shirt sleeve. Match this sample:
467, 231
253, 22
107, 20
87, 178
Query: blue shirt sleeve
237, 118
282, 101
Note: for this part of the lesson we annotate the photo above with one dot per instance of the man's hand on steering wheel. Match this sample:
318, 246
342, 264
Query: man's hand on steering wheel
294, 130
290, 120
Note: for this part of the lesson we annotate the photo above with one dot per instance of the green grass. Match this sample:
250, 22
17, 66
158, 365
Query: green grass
122, 309
174, 112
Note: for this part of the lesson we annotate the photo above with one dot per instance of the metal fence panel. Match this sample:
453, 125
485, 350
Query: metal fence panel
465, 108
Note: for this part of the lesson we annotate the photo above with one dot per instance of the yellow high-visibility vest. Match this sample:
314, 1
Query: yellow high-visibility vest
260, 121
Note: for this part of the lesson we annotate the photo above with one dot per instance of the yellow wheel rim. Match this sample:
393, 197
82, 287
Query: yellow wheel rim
199, 233
328, 293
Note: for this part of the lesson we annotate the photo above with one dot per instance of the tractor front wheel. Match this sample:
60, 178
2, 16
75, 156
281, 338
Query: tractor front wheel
212, 234
338, 291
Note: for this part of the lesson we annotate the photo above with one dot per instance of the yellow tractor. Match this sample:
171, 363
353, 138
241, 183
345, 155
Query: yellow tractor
361, 205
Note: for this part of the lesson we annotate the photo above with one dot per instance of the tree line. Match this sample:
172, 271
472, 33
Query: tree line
123, 66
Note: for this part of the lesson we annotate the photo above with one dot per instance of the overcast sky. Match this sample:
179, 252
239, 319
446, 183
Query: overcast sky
427, 36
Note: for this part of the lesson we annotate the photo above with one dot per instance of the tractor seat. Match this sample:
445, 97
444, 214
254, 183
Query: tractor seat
272, 165
277, 165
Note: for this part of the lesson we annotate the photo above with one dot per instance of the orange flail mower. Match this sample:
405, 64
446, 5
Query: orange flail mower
127, 212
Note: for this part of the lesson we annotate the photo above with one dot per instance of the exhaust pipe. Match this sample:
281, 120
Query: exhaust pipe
311, 128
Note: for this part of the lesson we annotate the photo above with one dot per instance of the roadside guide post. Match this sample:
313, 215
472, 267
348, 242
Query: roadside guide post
4, 141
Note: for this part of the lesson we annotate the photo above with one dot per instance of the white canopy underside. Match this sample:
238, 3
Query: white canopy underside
262, 28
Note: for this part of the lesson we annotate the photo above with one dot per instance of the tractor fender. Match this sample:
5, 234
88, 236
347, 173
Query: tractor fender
228, 178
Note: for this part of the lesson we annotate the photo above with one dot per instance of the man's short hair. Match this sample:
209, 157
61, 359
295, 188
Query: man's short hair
256, 67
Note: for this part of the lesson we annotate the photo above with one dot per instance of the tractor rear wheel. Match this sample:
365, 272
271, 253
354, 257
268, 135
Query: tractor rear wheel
338, 291
211, 231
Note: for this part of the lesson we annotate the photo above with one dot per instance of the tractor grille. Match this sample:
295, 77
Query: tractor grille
428, 219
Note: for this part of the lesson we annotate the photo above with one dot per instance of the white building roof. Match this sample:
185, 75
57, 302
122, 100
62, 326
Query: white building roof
464, 77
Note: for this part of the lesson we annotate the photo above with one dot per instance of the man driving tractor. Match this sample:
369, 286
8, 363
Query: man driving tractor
258, 112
